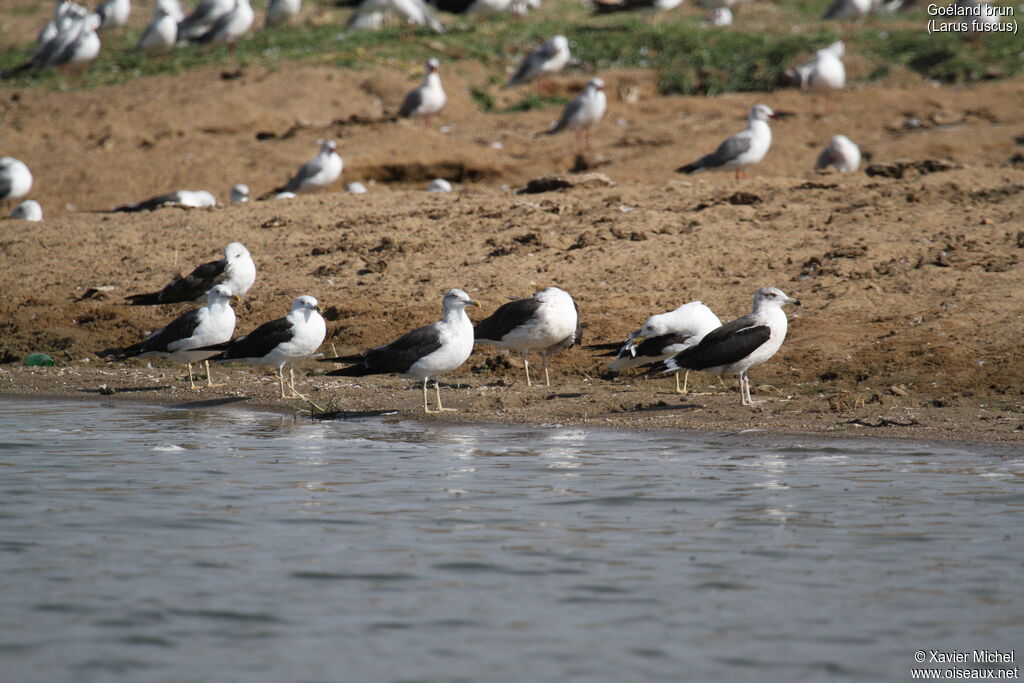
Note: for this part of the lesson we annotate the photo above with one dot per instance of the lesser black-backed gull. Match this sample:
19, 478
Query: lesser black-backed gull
546, 323
425, 353
746, 148
280, 342
236, 270
182, 341
664, 335
739, 345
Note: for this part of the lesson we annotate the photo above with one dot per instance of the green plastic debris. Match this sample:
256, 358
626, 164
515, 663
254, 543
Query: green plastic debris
33, 360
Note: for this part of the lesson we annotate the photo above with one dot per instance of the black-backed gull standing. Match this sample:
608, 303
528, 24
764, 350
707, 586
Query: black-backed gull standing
547, 322
236, 270
425, 353
184, 339
280, 342
739, 345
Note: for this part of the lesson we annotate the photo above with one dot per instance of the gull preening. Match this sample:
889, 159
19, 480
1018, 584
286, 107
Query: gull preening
236, 270
740, 151
162, 33
280, 12
427, 99
15, 179
28, 210
739, 345
187, 199
841, 153
425, 353
583, 113
182, 341
545, 323
281, 342
550, 57
664, 335
318, 172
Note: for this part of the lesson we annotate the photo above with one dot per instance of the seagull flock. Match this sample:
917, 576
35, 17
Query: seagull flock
689, 338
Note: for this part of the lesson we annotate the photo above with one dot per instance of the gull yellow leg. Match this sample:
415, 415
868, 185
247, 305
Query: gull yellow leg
526, 364
191, 382
441, 408
209, 378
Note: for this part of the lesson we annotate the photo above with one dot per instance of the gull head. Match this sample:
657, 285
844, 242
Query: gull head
305, 303
773, 296
560, 43
761, 112
456, 298
220, 294
327, 146
433, 65
595, 84
235, 251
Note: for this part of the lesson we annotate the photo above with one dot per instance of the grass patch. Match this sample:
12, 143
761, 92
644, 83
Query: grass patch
689, 59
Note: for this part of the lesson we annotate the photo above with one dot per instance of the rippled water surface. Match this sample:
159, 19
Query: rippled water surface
159, 544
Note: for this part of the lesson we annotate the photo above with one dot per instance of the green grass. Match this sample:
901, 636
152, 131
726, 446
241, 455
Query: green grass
688, 58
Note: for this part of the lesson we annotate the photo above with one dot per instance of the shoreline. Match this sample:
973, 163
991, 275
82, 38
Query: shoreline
621, 405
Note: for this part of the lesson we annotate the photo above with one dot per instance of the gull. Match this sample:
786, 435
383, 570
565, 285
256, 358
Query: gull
318, 172
425, 353
428, 99
744, 149
188, 199
15, 179
182, 341
848, 9
162, 33
664, 335
583, 112
414, 12
239, 193
75, 44
739, 345
202, 18
55, 37
550, 57
280, 12
236, 270
841, 153
720, 17
84, 48
28, 210
280, 342
801, 74
113, 13
230, 26
613, 6
63, 11
546, 322
439, 185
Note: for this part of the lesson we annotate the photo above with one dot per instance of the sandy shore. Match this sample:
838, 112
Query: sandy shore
912, 315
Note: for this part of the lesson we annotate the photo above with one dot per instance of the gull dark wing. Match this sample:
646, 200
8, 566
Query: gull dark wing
5, 187
216, 28
259, 342
396, 357
508, 317
202, 14
189, 288
452, 6
151, 204
182, 327
653, 347
410, 104
729, 343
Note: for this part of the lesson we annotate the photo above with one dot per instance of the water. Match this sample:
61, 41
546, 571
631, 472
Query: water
159, 544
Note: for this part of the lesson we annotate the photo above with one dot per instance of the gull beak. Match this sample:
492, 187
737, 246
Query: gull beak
474, 302
318, 309
236, 298
636, 341
791, 300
